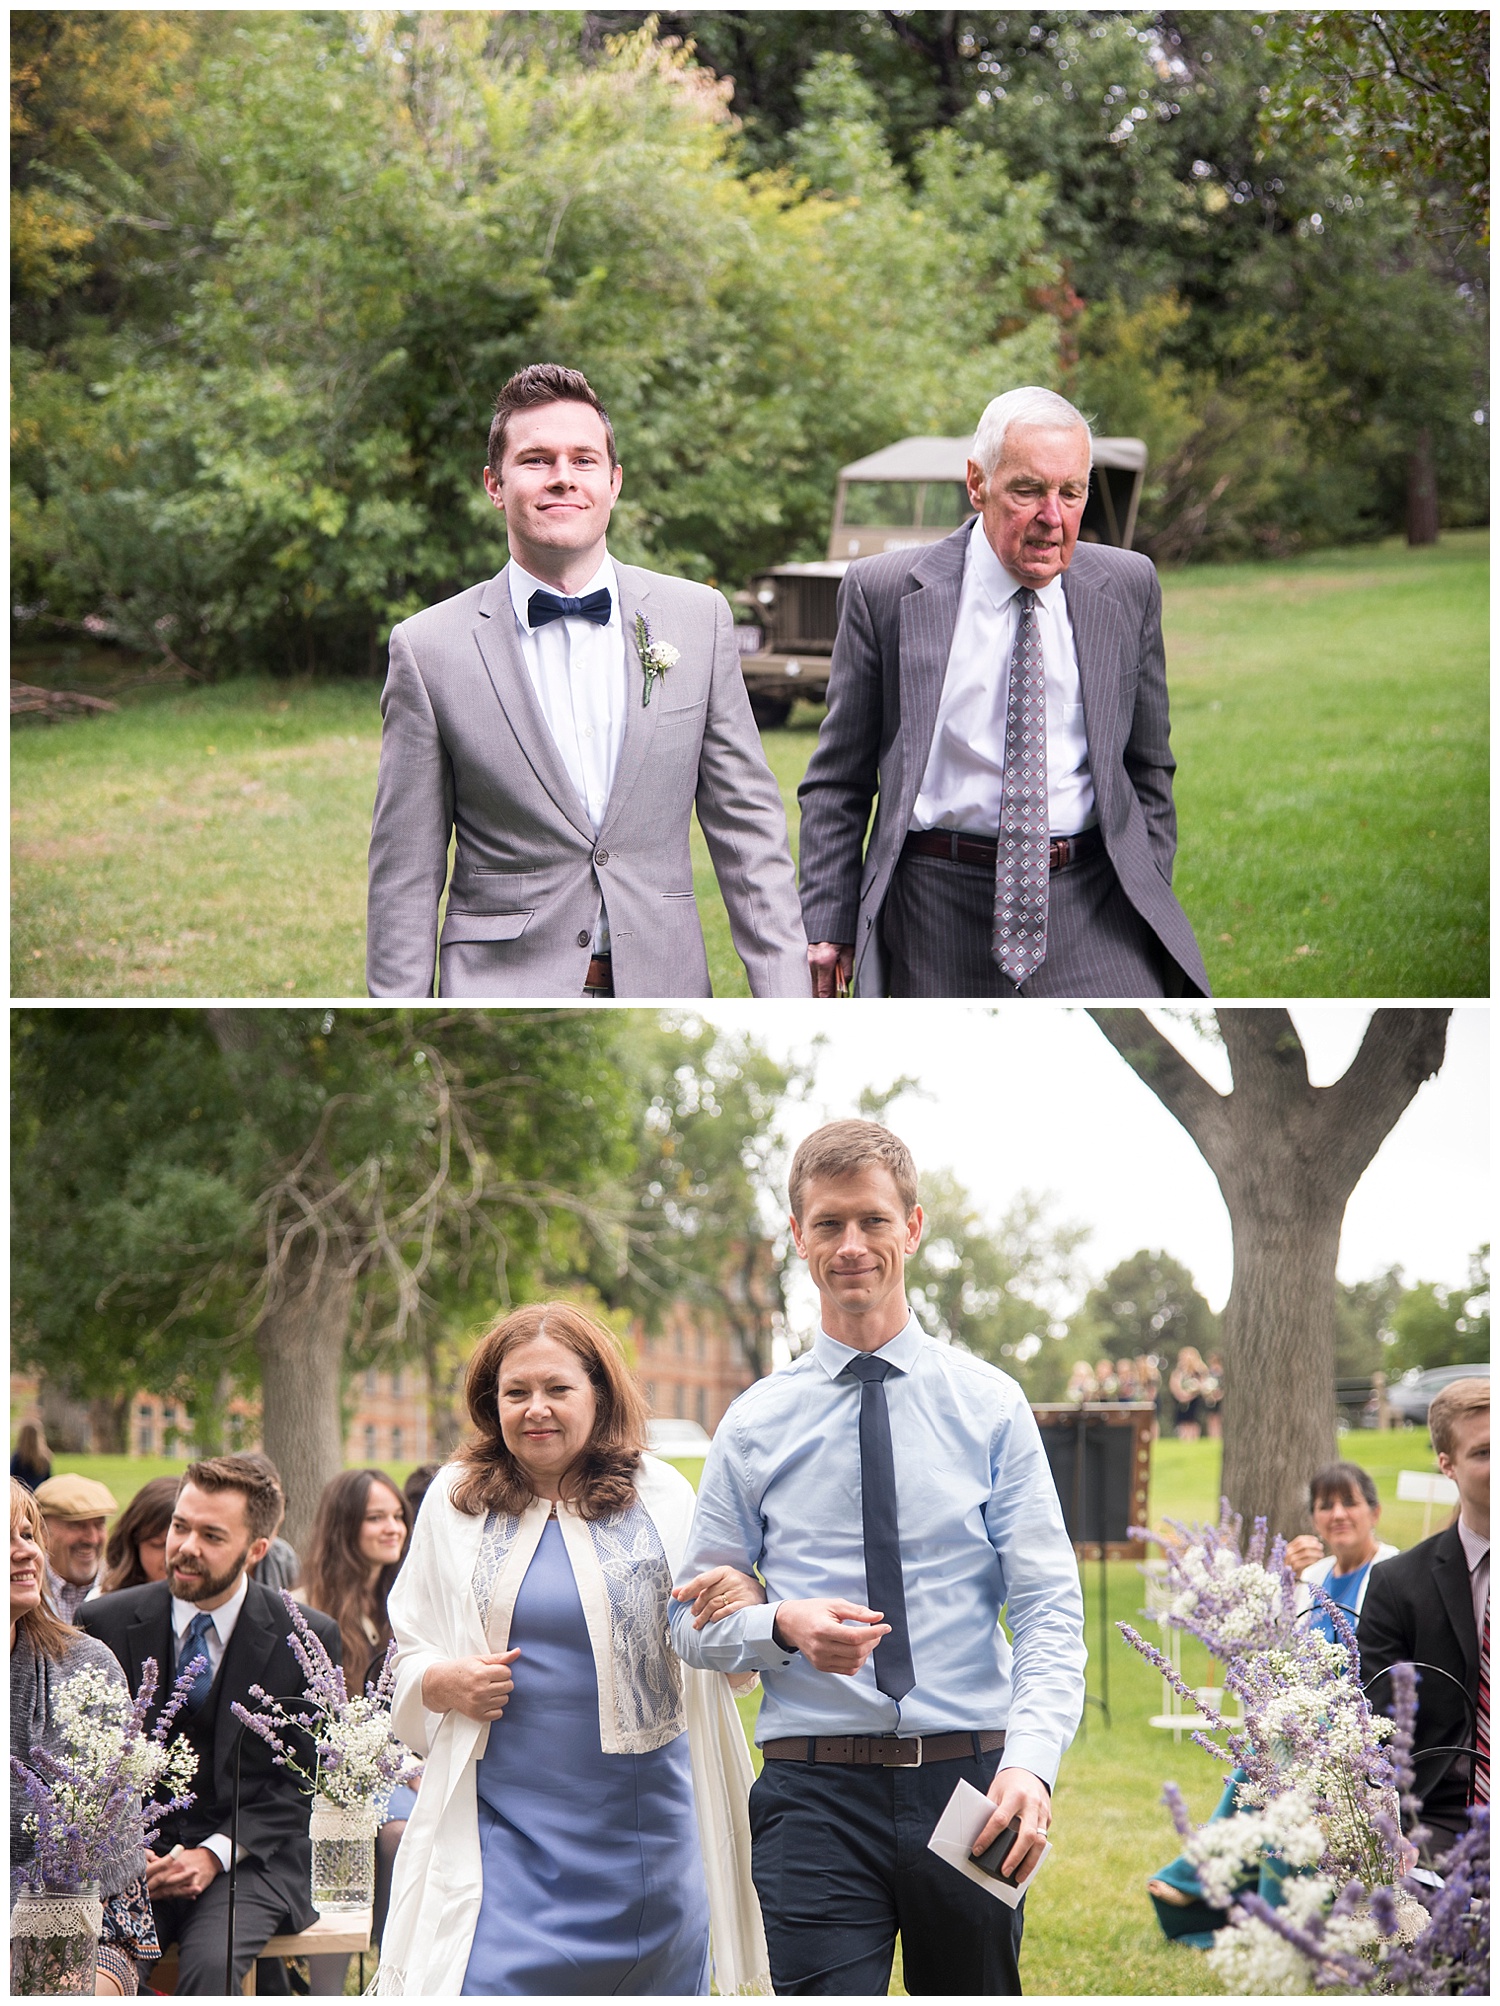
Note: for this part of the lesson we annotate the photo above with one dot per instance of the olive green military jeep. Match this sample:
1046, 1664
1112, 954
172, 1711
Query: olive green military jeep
903, 496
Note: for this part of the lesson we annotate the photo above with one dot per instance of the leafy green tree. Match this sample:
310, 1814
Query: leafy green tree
1149, 1303
1402, 94
1366, 1325
1436, 1326
985, 1284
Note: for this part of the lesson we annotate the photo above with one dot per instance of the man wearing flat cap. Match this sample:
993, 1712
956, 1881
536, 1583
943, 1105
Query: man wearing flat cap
76, 1510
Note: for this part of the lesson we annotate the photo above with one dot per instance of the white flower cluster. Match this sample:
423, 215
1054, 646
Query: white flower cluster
1252, 1960
1225, 1849
93, 1715
1220, 1577
359, 1740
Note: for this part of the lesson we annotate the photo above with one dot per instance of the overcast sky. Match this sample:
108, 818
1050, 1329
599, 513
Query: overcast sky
1033, 1099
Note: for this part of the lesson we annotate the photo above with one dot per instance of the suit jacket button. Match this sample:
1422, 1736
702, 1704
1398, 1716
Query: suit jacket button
601, 856
583, 940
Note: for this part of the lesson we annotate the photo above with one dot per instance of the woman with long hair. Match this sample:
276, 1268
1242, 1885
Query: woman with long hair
137, 1549
582, 1821
358, 1543
44, 1653
353, 1557
31, 1463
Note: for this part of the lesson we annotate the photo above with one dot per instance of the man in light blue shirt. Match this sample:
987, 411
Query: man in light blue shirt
894, 1495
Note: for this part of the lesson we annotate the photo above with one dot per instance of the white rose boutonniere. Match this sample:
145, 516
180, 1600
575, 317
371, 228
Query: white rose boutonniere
656, 656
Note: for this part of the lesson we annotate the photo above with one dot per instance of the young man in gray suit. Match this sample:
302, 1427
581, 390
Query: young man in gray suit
1003, 694
563, 719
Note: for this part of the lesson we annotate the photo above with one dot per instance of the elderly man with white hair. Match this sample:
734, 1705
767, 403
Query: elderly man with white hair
1002, 697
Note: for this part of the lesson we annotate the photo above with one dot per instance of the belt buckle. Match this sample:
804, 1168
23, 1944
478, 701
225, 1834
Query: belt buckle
898, 1764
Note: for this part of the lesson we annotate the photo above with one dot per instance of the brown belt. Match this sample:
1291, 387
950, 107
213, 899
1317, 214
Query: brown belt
958, 849
889, 1751
600, 980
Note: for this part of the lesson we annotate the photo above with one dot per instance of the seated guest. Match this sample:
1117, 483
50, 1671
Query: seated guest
32, 1462
137, 1549
358, 1543
44, 1653
1431, 1606
76, 1511
1081, 1387
226, 1511
1338, 1557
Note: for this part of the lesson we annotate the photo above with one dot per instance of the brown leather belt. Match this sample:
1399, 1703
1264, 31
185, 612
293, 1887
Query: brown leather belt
959, 849
887, 1751
600, 980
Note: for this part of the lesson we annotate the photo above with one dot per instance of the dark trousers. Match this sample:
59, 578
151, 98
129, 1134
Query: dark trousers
200, 1929
938, 917
840, 1860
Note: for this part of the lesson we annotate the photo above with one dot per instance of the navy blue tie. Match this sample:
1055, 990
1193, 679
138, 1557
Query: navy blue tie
884, 1587
544, 606
195, 1645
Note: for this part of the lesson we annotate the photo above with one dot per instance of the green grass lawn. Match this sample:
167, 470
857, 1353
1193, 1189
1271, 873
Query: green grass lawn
1330, 720
1089, 1925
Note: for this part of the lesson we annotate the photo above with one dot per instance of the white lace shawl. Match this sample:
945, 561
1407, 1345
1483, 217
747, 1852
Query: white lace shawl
455, 1597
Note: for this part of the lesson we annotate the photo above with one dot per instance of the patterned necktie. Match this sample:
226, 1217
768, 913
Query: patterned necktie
195, 1645
544, 606
884, 1586
1482, 1724
1019, 941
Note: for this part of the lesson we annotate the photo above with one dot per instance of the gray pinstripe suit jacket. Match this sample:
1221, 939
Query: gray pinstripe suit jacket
466, 750
897, 613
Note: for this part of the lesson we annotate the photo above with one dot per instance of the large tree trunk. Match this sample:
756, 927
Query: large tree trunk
1287, 1156
300, 1344
1421, 492
109, 1423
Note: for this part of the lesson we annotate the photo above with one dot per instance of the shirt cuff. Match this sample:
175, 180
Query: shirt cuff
1037, 1752
218, 1844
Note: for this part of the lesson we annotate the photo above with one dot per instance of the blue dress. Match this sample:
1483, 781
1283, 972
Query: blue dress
593, 1877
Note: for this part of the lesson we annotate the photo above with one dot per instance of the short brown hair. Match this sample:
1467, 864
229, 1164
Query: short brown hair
1457, 1399
842, 1147
45, 1628
254, 1477
492, 1479
543, 383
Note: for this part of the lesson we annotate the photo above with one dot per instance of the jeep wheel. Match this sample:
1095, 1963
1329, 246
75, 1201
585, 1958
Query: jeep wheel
770, 712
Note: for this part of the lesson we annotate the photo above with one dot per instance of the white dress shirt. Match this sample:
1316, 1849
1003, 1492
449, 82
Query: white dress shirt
980, 1528
1476, 1548
578, 672
963, 784
216, 1643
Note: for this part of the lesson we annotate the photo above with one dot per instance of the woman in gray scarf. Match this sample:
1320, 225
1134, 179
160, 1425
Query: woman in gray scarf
44, 1652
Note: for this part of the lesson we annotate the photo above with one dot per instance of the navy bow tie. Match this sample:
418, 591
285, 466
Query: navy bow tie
544, 606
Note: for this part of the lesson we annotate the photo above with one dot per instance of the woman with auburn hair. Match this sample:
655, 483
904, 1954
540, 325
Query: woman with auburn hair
137, 1549
582, 1824
44, 1653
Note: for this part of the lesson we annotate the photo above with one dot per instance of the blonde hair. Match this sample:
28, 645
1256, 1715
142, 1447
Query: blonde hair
46, 1629
1461, 1397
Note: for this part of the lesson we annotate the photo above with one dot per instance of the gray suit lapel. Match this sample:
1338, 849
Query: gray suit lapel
500, 651
640, 718
928, 617
1094, 617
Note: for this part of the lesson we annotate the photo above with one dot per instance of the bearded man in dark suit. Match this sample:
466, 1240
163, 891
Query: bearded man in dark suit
1001, 698
1430, 1606
226, 1511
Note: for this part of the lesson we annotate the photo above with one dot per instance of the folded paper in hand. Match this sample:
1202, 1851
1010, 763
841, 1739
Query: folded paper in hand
964, 1817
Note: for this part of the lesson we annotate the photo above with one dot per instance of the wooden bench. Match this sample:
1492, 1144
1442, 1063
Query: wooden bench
346, 1934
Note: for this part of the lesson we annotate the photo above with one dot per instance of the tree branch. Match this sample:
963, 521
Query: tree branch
1180, 1087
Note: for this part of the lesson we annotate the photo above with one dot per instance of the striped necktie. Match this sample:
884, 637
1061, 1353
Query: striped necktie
1482, 1723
